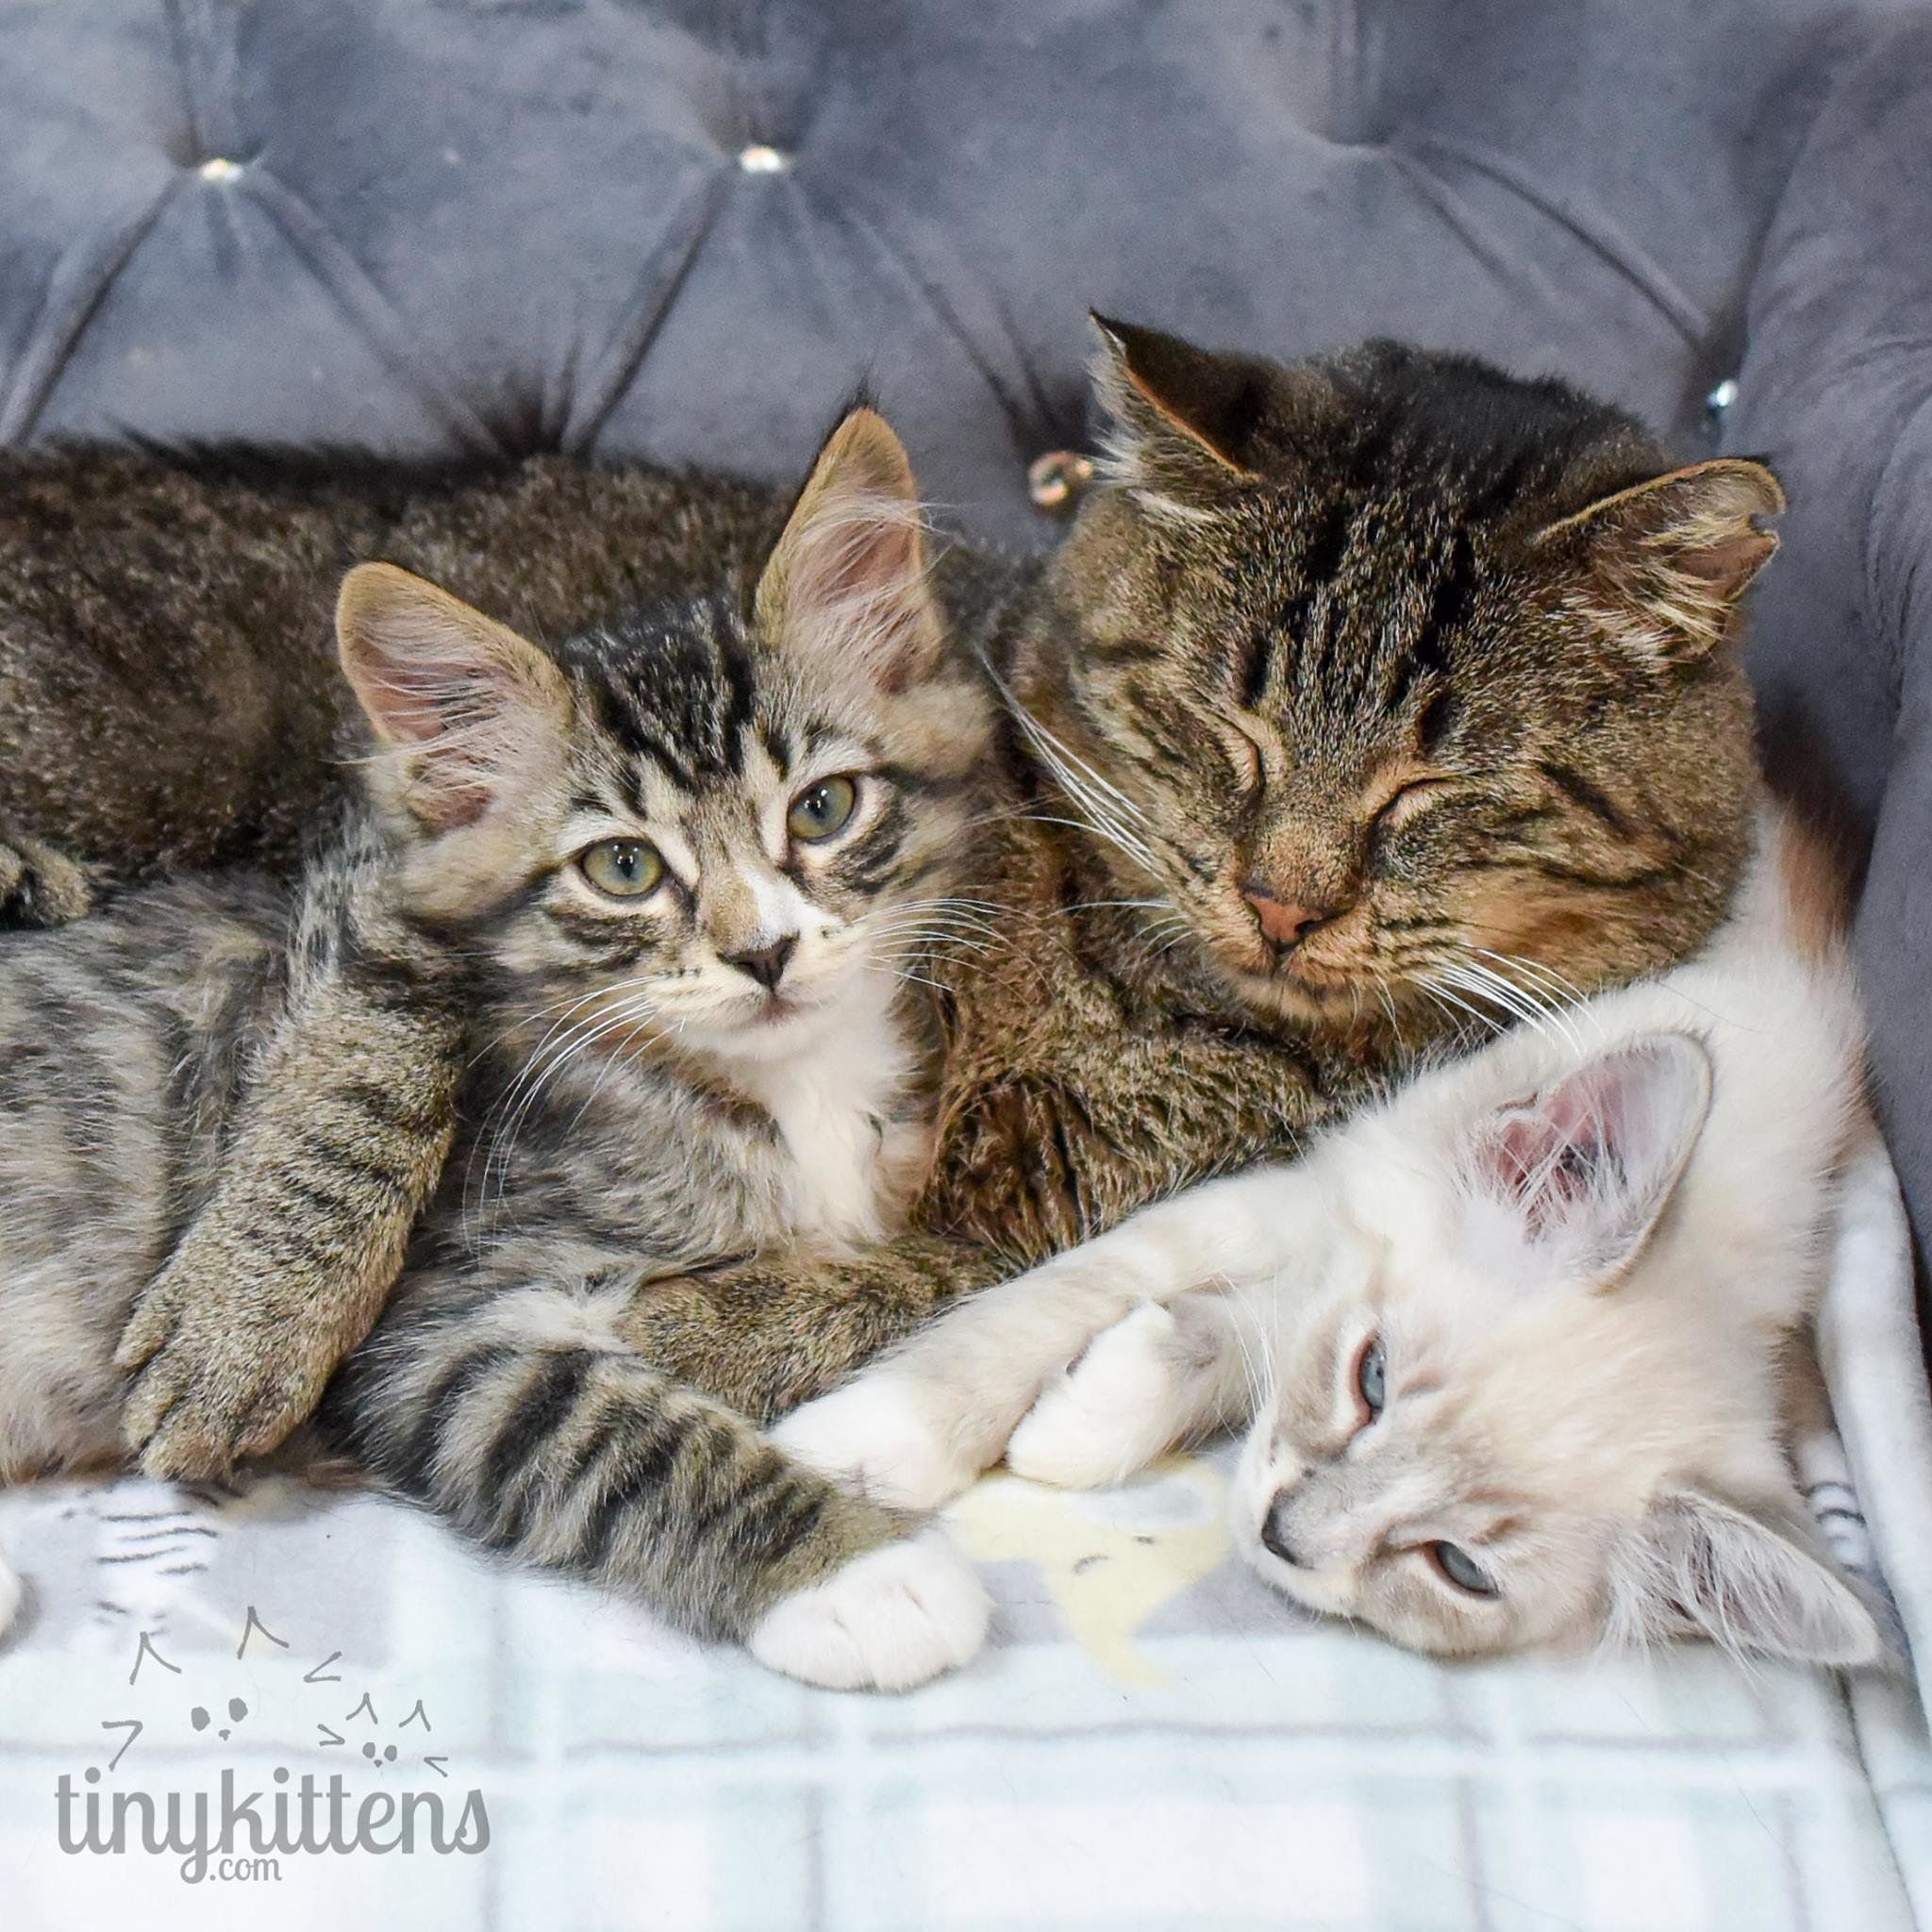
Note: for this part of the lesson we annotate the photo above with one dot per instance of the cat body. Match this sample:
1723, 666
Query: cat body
1512, 1346
685, 856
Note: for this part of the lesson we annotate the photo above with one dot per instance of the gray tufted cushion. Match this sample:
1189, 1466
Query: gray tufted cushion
689, 227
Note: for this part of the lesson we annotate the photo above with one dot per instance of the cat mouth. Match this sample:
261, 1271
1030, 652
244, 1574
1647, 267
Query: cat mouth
778, 1008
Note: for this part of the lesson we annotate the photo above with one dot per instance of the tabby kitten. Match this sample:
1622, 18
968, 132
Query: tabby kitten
1512, 1344
169, 699
685, 856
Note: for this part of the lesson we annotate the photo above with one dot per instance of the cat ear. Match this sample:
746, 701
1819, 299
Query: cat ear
847, 588
1698, 1567
466, 707
1582, 1172
1662, 564
1176, 407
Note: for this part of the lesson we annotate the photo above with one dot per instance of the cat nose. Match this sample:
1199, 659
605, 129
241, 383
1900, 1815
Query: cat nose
1284, 922
1275, 1533
766, 965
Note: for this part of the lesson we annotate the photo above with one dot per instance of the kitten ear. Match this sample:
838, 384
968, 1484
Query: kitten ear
1663, 564
847, 588
1176, 408
1699, 1566
1583, 1172
467, 708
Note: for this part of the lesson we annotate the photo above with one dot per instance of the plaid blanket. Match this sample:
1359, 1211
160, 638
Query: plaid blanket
1153, 1741
321, 1711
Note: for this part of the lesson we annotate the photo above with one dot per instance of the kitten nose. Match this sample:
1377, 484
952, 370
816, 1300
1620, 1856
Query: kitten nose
1284, 922
1274, 1536
766, 965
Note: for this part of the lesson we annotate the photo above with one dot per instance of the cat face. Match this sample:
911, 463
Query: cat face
1498, 1429
1403, 680
710, 825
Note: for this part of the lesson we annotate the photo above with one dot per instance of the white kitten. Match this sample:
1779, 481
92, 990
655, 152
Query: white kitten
1513, 1342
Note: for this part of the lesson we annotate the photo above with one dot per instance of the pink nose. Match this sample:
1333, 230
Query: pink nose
1283, 923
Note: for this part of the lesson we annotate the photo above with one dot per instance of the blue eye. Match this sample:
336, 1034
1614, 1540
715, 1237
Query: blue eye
1460, 1568
1371, 1378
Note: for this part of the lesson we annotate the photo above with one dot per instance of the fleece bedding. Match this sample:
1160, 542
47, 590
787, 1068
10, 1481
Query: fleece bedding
1153, 1740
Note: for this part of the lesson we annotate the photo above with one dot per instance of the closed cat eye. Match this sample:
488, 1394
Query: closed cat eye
1456, 1564
1371, 1377
1404, 802
622, 868
1253, 764
822, 809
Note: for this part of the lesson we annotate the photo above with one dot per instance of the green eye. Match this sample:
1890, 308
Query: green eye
1460, 1568
820, 809
624, 868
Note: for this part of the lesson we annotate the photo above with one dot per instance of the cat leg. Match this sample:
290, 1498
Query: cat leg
918, 1427
1162, 1376
338, 1144
522, 1419
767, 1334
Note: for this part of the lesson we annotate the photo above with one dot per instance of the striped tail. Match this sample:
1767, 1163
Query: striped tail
585, 1460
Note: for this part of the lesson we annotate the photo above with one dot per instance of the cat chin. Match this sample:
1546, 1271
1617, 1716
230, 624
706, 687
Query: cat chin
773, 1032
1282, 996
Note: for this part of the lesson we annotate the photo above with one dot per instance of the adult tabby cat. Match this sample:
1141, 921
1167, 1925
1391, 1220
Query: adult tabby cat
1361, 692
684, 856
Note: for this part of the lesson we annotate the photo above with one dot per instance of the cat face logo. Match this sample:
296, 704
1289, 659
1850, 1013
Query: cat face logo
199, 1718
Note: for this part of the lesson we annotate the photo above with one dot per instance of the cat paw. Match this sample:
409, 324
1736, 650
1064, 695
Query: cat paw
214, 1383
1108, 1415
893, 1618
883, 1437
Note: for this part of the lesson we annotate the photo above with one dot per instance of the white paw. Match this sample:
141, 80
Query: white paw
1108, 1415
887, 1437
889, 1619
11, 1592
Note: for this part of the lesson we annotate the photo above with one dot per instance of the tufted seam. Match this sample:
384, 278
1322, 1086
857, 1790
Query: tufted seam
208, 62
1800, 155
1349, 121
57, 330
1022, 427
1505, 265
1617, 251
365, 305
1886, 616
643, 315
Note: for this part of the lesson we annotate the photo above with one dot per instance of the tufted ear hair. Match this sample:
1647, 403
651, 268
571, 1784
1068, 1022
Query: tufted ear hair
1698, 1567
847, 588
1662, 566
466, 711
1564, 1189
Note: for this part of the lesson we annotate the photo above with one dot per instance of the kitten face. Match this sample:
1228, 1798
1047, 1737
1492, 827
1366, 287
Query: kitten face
710, 826
1394, 673
1491, 1431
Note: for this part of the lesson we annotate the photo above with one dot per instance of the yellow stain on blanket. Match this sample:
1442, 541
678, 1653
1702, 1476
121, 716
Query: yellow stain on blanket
1112, 1557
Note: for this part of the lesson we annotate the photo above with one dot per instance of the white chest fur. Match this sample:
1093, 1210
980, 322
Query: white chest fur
834, 1106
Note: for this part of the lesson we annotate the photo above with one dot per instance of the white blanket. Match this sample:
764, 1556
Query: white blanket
1152, 1741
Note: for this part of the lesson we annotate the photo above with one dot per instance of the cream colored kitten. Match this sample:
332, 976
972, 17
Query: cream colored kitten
1512, 1344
